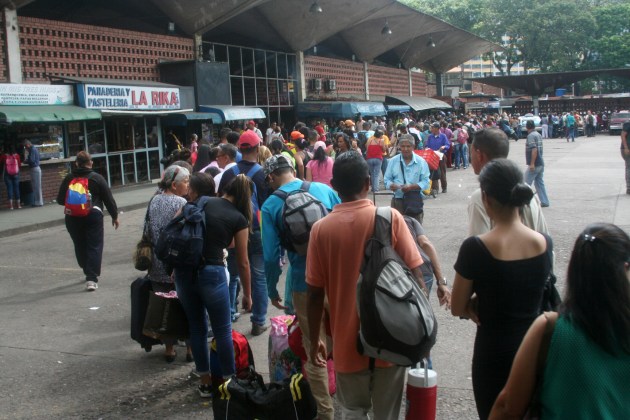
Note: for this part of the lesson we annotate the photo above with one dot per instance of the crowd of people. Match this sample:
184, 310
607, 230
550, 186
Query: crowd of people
501, 271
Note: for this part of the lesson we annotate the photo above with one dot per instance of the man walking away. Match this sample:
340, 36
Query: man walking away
535, 163
334, 258
280, 175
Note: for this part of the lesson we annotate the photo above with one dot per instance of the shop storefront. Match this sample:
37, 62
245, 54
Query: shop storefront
126, 145
46, 116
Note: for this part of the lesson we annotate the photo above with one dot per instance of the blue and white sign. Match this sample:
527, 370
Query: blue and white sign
129, 97
24, 94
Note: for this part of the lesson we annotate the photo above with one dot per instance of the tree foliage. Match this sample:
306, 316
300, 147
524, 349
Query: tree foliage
549, 35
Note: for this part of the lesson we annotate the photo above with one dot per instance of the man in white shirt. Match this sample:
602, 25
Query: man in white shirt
269, 133
251, 125
226, 158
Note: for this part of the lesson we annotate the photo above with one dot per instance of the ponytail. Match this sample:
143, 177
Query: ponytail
240, 189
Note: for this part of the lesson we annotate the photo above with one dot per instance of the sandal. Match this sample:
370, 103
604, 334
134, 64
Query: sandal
170, 358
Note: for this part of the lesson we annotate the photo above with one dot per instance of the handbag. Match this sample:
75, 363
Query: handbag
412, 204
143, 255
165, 317
551, 298
251, 398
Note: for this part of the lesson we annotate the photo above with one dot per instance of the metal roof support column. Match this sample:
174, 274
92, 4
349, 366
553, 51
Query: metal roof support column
366, 81
535, 104
301, 82
12, 36
198, 45
439, 84
410, 82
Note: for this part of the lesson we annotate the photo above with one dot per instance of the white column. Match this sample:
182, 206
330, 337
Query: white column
301, 82
12, 35
198, 42
410, 82
366, 81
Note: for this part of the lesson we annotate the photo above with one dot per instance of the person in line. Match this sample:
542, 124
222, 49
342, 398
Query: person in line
489, 144
333, 263
588, 343
625, 152
205, 291
281, 176
535, 163
252, 126
225, 158
406, 172
375, 147
438, 142
319, 169
174, 188
87, 233
499, 280
248, 144
11, 164
32, 159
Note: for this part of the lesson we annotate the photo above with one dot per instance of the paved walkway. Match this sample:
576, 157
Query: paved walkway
28, 219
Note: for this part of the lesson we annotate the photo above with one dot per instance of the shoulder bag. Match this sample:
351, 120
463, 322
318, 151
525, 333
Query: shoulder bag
143, 254
413, 203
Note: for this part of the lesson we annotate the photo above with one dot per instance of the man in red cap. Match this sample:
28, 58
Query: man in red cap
251, 125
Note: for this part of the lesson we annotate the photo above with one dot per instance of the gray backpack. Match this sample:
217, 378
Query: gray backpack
397, 322
299, 213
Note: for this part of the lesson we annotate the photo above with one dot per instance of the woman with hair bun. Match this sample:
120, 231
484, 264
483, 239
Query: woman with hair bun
499, 280
585, 374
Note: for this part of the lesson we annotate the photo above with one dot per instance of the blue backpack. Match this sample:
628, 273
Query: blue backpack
255, 207
181, 242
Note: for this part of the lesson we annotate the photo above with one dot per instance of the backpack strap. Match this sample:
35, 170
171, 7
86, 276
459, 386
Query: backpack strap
383, 225
306, 185
254, 170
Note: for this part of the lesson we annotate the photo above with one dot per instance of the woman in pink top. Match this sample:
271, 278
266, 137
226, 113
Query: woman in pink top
319, 169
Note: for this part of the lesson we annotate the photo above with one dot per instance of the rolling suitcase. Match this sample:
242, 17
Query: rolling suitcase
140, 291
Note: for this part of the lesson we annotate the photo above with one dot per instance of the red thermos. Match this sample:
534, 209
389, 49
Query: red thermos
421, 393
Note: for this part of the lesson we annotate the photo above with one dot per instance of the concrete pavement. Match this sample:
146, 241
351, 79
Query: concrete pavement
66, 354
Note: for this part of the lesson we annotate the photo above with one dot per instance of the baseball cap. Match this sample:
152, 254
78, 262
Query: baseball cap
435, 125
276, 162
348, 123
296, 135
251, 122
319, 144
248, 139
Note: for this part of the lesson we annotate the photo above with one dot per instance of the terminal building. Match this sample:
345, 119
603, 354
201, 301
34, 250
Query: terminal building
112, 77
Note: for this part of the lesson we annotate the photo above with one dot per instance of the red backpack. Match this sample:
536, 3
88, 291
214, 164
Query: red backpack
11, 165
78, 197
243, 358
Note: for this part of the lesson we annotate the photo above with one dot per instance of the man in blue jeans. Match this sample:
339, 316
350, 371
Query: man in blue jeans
535, 163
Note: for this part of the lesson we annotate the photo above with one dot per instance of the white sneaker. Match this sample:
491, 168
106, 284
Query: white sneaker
91, 286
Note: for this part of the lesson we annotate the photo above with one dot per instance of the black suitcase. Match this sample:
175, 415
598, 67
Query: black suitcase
140, 291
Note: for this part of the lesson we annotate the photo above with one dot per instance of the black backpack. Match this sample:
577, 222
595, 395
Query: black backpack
181, 242
300, 211
362, 141
397, 323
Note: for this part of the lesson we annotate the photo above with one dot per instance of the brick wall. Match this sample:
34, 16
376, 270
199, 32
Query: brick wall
388, 81
419, 84
71, 49
487, 89
4, 73
52, 174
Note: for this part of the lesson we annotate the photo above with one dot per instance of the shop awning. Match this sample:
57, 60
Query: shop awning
398, 108
182, 119
46, 113
417, 103
340, 109
233, 113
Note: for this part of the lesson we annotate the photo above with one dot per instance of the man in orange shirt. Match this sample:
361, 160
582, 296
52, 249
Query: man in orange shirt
335, 254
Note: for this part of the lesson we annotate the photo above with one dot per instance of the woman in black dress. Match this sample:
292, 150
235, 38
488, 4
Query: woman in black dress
499, 280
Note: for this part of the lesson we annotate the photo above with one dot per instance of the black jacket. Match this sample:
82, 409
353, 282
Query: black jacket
101, 194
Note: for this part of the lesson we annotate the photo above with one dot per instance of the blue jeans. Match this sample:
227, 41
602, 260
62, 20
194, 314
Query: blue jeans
259, 282
13, 186
461, 155
201, 292
375, 172
536, 177
571, 133
234, 279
